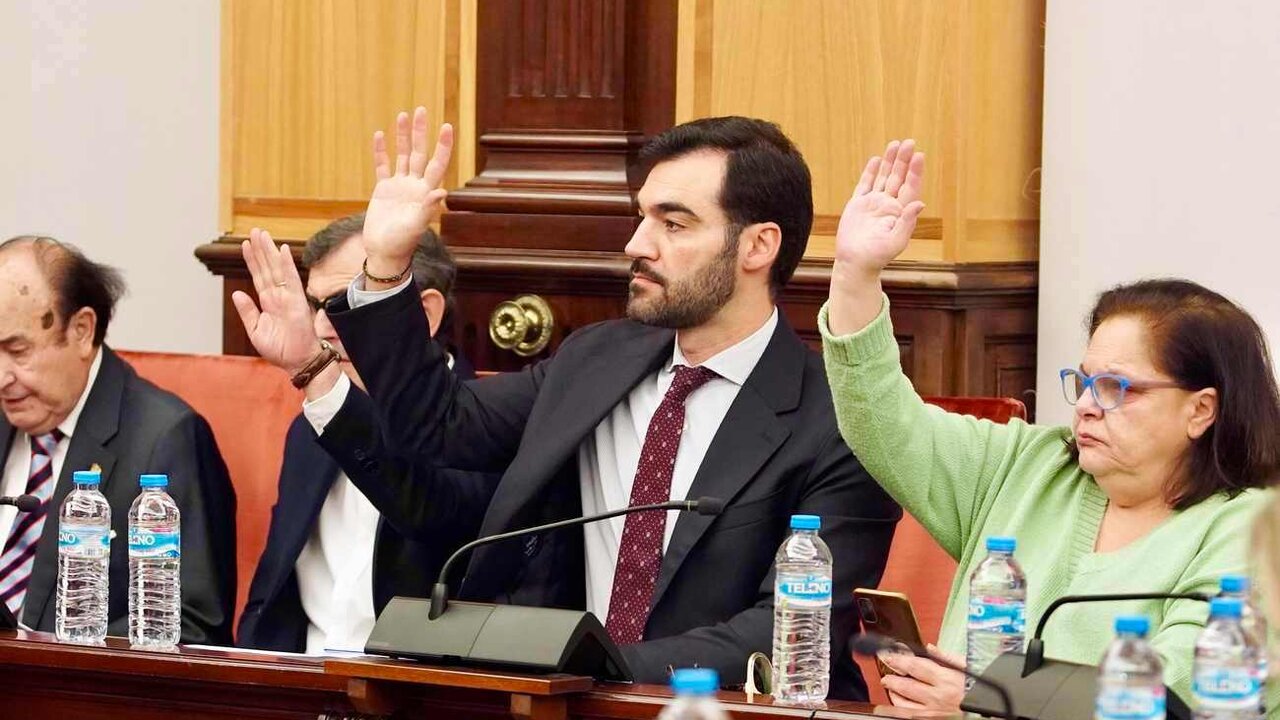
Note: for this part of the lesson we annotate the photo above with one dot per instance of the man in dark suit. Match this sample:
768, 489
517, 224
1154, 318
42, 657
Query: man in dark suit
704, 391
331, 562
70, 403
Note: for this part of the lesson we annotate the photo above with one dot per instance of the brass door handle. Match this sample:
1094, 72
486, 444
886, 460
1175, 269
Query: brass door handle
522, 325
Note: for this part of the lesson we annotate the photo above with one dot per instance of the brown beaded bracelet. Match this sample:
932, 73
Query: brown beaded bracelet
387, 280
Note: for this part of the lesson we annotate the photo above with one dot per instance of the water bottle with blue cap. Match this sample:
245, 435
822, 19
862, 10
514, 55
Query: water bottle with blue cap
1224, 679
997, 606
1130, 676
802, 616
1254, 624
155, 561
84, 553
695, 691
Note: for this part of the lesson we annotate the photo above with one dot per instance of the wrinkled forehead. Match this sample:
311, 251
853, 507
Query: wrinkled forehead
1121, 344
335, 271
26, 300
693, 180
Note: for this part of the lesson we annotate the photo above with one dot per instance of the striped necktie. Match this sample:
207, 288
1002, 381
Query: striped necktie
20, 550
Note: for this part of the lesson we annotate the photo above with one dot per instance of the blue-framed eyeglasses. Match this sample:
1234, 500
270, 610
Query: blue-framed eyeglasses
1108, 388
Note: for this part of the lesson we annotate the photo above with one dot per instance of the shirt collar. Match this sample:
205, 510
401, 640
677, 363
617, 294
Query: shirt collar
68, 426
735, 362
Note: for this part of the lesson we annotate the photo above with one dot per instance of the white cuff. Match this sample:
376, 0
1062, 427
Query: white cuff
357, 296
321, 411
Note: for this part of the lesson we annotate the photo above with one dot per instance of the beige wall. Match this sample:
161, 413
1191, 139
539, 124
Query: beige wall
1161, 149
110, 142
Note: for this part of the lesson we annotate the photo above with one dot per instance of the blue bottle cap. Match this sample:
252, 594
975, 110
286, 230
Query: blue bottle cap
805, 522
1235, 584
695, 681
86, 477
998, 543
1225, 607
1136, 624
151, 481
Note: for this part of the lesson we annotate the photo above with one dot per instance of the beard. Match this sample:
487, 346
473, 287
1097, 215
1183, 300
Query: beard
687, 302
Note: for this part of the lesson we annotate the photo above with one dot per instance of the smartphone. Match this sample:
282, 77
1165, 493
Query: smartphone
888, 614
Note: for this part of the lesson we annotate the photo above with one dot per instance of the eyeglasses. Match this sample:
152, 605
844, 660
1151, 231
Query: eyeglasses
1108, 388
317, 304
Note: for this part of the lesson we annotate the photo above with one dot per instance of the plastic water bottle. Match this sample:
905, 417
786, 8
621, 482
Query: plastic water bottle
84, 552
802, 616
997, 606
695, 690
155, 555
1224, 678
1254, 624
1130, 676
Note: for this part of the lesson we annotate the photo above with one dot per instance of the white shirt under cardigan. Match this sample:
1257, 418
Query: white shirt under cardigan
335, 567
608, 458
17, 465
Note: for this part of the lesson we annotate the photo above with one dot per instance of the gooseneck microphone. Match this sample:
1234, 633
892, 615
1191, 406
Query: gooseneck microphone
870, 644
1035, 646
24, 503
440, 592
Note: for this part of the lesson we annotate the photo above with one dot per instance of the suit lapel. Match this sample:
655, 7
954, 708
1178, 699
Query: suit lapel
597, 385
301, 498
99, 421
749, 435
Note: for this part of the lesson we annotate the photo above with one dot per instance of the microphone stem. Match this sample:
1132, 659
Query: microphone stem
441, 587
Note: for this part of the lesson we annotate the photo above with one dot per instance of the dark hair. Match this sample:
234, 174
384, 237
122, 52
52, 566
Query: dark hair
1203, 340
765, 179
76, 281
433, 265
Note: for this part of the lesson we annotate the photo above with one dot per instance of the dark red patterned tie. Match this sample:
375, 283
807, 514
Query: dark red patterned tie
640, 552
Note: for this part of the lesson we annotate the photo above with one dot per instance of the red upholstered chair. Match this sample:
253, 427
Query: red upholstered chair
917, 565
249, 404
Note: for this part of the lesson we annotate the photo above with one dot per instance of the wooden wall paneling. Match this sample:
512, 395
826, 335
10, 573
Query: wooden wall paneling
307, 83
553, 97
566, 93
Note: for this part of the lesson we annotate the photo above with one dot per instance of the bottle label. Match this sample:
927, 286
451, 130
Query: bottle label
804, 590
90, 540
148, 543
1227, 687
995, 614
1131, 704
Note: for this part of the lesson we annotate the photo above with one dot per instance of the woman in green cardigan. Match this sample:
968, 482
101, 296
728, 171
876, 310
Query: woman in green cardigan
1177, 419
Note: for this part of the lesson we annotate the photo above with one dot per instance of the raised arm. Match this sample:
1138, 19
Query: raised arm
939, 466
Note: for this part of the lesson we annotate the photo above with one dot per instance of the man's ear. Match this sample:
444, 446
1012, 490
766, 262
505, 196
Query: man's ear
433, 306
81, 327
760, 243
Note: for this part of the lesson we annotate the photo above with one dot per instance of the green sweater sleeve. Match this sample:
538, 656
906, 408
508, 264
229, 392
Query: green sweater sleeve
943, 468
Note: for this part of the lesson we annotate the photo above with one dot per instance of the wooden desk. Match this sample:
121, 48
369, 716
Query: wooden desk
41, 678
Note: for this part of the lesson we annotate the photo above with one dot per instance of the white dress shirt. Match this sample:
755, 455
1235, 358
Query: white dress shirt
335, 570
608, 458
335, 567
17, 466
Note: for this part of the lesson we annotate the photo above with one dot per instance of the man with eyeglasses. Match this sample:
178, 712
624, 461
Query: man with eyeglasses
332, 561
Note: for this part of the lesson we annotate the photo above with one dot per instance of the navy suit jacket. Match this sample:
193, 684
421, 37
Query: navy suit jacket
403, 563
777, 452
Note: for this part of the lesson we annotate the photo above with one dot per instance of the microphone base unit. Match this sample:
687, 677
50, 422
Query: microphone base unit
1057, 690
502, 637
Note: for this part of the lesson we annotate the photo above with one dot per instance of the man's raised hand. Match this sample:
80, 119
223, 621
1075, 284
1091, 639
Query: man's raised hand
408, 194
283, 331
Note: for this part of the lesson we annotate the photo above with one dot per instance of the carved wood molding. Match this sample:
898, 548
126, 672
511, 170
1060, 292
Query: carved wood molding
913, 284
